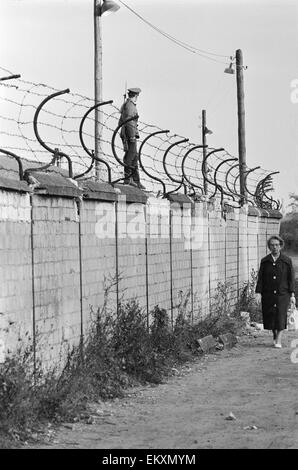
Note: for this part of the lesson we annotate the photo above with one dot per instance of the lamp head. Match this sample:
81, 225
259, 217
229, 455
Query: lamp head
107, 7
207, 131
230, 69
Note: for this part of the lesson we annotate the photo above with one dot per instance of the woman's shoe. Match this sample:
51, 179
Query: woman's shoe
278, 345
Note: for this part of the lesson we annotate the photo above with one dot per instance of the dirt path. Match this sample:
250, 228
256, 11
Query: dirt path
254, 381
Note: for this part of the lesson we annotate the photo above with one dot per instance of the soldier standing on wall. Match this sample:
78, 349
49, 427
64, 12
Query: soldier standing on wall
129, 134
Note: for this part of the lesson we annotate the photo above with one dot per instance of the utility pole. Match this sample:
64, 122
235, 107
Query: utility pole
104, 7
241, 123
97, 83
204, 148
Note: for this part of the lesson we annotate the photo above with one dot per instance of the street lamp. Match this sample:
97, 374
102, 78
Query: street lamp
101, 8
107, 7
230, 69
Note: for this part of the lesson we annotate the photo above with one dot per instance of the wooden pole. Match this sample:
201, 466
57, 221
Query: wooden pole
204, 148
241, 123
97, 83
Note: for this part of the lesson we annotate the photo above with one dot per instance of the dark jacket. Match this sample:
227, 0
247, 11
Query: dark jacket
276, 281
129, 131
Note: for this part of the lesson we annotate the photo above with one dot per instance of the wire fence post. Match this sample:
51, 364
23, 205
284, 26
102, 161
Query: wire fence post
33, 289
191, 268
209, 263
146, 264
247, 241
238, 260
225, 260
171, 266
79, 211
117, 257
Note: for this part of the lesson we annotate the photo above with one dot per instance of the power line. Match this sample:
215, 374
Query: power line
190, 48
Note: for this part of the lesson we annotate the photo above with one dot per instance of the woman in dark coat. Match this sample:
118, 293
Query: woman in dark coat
276, 284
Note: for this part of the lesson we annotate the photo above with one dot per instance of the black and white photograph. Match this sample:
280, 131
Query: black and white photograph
148, 228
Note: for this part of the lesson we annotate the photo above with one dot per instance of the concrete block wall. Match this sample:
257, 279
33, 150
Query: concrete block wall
243, 237
233, 251
158, 250
76, 253
15, 272
56, 276
253, 233
98, 257
263, 235
200, 259
181, 256
132, 251
216, 248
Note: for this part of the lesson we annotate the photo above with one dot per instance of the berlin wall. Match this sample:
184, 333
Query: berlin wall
60, 248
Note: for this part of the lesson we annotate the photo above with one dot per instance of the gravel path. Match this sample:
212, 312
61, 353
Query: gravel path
254, 381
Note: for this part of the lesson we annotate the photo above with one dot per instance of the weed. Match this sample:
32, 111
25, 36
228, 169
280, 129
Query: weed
119, 350
247, 299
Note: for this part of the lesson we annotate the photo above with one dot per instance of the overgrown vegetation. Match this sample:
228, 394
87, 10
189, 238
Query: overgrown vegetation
121, 350
248, 301
289, 231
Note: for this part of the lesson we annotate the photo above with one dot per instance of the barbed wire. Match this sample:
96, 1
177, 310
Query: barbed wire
59, 124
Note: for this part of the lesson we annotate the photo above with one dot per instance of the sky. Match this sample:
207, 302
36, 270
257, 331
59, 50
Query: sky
51, 41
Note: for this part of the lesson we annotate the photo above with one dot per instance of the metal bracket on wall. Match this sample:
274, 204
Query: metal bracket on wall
18, 159
56, 152
141, 163
180, 182
193, 185
91, 153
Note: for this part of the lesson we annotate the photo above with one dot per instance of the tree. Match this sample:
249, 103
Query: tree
294, 202
289, 225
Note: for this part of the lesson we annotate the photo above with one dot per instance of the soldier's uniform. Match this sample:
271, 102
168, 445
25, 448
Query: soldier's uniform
129, 135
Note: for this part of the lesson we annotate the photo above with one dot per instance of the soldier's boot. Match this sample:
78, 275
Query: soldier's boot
131, 182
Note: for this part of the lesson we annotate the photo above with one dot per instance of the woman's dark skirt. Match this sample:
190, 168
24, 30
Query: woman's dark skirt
274, 310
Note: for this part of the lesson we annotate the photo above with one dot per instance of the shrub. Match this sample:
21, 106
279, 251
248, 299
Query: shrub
289, 231
17, 398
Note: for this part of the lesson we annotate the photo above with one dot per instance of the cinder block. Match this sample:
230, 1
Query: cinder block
208, 343
228, 340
